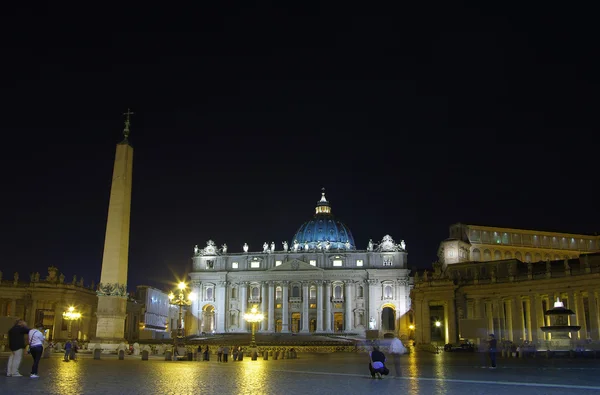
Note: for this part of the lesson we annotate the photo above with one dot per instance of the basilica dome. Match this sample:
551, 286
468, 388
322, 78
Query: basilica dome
323, 231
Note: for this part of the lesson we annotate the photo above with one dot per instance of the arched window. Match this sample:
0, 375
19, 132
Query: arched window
295, 291
507, 255
537, 257
487, 255
337, 292
387, 292
497, 255
528, 257
278, 293
209, 293
476, 255
233, 293
360, 291
255, 293
313, 292
519, 256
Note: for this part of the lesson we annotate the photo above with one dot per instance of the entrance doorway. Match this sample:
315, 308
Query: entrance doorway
338, 322
295, 322
278, 325
388, 319
313, 325
208, 318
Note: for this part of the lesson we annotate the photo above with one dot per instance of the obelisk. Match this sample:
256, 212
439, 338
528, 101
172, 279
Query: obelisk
112, 290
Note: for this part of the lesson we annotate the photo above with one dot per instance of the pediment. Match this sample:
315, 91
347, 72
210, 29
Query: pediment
295, 265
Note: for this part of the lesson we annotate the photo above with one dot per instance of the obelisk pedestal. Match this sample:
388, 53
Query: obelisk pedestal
112, 289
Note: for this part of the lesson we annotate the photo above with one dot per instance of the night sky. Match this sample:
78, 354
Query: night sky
412, 118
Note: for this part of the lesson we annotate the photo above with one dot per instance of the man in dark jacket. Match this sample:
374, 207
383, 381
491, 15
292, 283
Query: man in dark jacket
16, 343
492, 350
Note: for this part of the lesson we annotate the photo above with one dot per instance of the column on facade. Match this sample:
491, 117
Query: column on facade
271, 314
517, 320
305, 299
490, 316
319, 306
581, 316
243, 303
328, 306
264, 303
285, 319
348, 305
221, 312
13, 307
450, 313
372, 283
593, 306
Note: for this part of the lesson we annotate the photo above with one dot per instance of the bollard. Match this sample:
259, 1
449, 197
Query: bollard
121, 355
266, 356
145, 355
168, 356
190, 356
275, 355
97, 352
287, 355
254, 355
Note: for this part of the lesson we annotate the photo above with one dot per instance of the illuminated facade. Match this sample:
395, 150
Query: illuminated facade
319, 282
44, 300
506, 290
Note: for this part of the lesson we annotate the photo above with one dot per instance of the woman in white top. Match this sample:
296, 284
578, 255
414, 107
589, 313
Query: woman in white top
36, 347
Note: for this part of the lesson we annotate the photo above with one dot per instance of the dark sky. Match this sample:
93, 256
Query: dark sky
412, 118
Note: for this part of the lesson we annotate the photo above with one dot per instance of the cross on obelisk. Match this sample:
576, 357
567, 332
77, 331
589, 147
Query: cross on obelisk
126, 131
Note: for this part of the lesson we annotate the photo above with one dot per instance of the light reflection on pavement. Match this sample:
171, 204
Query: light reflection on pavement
345, 373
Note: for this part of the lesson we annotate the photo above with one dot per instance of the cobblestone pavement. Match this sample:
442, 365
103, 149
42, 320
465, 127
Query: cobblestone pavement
422, 373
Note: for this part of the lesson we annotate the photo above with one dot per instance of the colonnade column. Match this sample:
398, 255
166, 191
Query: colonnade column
244, 302
517, 319
450, 313
271, 314
305, 297
581, 319
426, 321
348, 305
572, 306
285, 319
264, 303
319, 306
593, 306
327, 306
534, 326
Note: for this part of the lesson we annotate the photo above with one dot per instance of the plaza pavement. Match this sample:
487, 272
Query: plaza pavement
343, 373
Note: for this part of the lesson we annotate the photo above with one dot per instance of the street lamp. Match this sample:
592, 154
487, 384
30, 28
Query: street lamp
70, 315
180, 300
253, 317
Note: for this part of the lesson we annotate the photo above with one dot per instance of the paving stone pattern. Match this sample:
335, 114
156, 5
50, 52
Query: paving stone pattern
345, 373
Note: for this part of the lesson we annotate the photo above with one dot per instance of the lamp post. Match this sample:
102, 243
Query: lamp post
70, 315
181, 300
253, 317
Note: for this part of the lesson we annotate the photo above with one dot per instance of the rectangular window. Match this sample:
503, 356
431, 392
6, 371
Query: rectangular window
337, 262
234, 265
313, 262
255, 264
359, 262
277, 263
312, 306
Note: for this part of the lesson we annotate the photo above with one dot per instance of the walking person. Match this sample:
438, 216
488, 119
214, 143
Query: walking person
36, 348
492, 350
16, 343
206, 353
220, 354
225, 353
397, 349
68, 347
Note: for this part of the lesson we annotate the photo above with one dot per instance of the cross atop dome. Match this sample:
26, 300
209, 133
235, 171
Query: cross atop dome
323, 206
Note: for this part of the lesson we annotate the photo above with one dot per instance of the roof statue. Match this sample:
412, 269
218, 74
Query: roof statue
388, 244
210, 249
